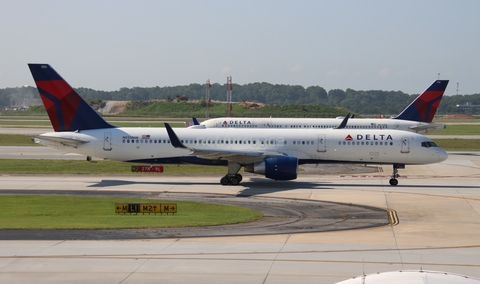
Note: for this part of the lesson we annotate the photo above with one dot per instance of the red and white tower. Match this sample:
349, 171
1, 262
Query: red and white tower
229, 96
207, 99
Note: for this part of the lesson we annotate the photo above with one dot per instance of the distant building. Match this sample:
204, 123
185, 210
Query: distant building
468, 107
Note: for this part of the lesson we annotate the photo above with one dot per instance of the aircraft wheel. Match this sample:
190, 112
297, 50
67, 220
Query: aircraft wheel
225, 180
235, 180
393, 181
89, 158
239, 177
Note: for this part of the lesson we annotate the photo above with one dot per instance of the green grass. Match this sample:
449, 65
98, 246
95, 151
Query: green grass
459, 129
16, 140
458, 144
25, 166
25, 123
69, 212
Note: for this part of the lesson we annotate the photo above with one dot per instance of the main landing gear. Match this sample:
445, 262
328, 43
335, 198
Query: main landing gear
395, 175
233, 177
228, 180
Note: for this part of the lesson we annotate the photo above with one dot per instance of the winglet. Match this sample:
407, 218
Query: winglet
344, 122
66, 109
424, 107
195, 121
174, 138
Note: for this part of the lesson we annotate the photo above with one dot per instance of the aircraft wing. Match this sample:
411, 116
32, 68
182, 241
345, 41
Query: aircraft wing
233, 155
425, 128
73, 142
219, 154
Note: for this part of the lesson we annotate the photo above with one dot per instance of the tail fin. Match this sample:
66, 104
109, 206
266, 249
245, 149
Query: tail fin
424, 107
66, 109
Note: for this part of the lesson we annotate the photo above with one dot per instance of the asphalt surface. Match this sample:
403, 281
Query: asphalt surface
437, 205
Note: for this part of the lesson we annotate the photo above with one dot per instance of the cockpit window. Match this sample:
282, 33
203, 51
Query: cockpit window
429, 144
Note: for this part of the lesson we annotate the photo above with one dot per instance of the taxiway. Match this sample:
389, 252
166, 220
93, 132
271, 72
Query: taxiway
438, 208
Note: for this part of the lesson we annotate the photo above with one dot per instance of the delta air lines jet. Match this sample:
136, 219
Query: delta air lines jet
416, 117
274, 153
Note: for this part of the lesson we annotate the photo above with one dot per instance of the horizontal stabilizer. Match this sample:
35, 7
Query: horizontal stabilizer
426, 128
74, 142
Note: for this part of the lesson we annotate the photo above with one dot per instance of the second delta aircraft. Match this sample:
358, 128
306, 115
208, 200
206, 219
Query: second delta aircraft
416, 117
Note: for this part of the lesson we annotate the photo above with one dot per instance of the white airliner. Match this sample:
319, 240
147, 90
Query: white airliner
416, 117
412, 276
275, 153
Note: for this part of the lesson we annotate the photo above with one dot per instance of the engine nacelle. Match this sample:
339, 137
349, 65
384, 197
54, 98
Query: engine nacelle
277, 168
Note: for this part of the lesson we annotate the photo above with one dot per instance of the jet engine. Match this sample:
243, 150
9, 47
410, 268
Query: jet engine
277, 168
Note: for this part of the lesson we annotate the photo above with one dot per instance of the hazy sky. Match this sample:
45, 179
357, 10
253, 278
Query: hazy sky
362, 45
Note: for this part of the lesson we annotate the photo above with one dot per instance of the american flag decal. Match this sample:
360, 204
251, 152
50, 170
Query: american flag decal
145, 136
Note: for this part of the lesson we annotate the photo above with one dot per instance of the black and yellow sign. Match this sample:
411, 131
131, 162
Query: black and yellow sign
169, 208
146, 208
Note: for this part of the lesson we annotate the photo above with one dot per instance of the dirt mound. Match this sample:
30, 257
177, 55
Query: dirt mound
251, 105
113, 107
458, 116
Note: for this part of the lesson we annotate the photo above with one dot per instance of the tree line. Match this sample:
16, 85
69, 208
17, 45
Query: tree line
372, 102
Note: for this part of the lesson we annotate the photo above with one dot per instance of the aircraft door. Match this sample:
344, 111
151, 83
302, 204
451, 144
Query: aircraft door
405, 145
322, 143
107, 141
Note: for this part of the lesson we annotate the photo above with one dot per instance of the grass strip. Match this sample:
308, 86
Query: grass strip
27, 166
460, 129
71, 212
16, 140
457, 144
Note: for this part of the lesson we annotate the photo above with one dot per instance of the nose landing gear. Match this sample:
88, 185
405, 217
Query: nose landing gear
393, 179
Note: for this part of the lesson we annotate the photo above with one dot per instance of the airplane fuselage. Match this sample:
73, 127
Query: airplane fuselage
322, 123
152, 145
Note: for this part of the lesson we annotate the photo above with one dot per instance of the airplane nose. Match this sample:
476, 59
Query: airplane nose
442, 155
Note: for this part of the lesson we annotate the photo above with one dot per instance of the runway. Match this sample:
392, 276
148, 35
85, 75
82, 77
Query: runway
438, 208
